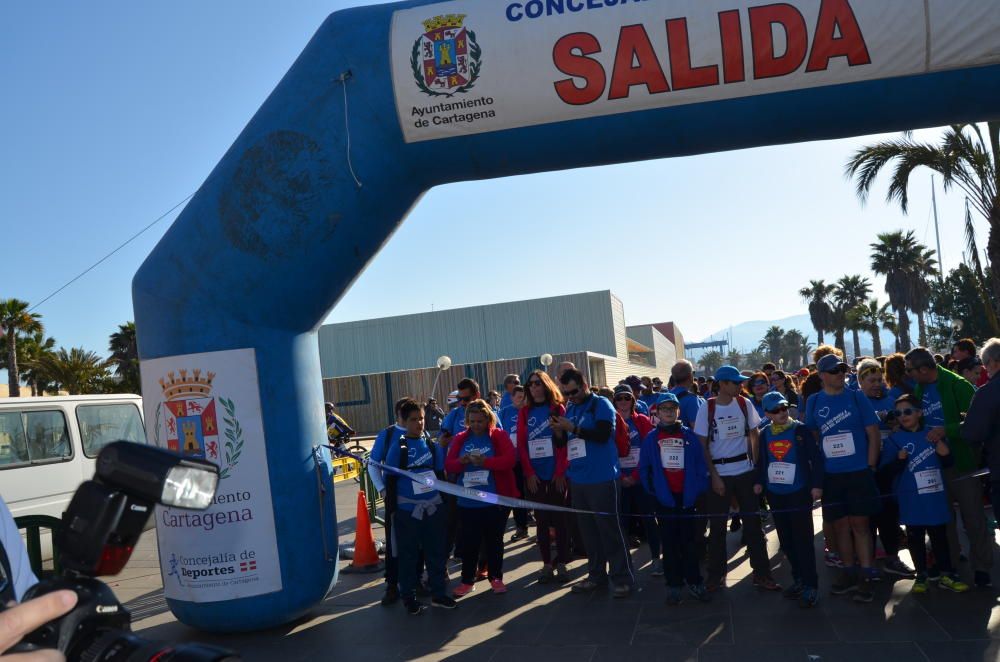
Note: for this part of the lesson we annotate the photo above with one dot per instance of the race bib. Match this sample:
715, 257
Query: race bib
838, 445
576, 449
476, 478
540, 448
730, 428
781, 473
632, 460
672, 453
884, 434
422, 487
928, 481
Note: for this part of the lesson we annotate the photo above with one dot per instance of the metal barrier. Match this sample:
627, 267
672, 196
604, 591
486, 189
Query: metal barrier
33, 525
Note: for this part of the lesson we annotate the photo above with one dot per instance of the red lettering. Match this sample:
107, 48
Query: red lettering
683, 75
570, 57
634, 46
733, 65
837, 16
767, 63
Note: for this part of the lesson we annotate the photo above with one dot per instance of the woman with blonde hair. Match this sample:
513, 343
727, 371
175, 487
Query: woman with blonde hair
483, 457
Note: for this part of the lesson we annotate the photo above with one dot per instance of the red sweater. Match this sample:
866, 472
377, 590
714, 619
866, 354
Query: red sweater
644, 425
562, 459
501, 463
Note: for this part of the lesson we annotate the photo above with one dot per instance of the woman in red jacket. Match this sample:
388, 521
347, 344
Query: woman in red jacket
637, 506
544, 467
483, 457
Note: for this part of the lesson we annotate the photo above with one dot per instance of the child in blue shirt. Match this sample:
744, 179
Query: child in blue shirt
791, 469
916, 463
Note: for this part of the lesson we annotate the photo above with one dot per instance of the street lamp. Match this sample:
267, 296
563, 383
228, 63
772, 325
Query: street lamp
546, 360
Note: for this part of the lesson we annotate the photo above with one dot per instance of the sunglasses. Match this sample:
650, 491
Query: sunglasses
759, 382
570, 394
623, 398
467, 398
534, 382
782, 408
909, 411
839, 371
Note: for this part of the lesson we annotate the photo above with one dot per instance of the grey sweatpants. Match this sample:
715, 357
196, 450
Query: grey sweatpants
968, 494
602, 534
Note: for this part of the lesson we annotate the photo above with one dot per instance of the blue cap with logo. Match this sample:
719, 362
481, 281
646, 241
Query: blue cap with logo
664, 398
831, 363
773, 400
728, 373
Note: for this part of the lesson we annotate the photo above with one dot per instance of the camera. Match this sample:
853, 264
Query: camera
100, 529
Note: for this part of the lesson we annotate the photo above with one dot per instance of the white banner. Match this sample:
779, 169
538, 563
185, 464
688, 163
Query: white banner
473, 66
208, 406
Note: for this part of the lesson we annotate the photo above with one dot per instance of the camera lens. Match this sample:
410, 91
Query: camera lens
121, 646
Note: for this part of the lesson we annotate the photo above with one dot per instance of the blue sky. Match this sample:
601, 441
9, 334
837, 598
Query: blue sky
115, 111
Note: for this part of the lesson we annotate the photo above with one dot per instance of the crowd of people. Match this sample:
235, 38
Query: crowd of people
892, 447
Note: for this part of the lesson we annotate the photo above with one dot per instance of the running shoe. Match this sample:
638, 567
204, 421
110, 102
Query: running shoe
699, 592
893, 566
391, 596
863, 592
562, 574
586, 586
832, 560
497, 586
845, 583
413, 607
953, 583
443, 602
519, 534
794, 591
674, 596
622, 591
765, 583
983, 579
481, 574
809, 597
547, 575
657, 568
919, 585
463, 590
933, 574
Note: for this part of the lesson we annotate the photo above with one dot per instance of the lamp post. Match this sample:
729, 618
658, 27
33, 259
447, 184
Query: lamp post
443, 363
546, 361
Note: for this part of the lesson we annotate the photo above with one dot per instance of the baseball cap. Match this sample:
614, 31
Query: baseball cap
667, 397
453, 397
773, 400
830, 363
626, 389
728, 373
633, 381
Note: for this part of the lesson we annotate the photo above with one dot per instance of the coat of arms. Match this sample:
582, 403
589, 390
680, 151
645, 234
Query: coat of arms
446, 59
189, 420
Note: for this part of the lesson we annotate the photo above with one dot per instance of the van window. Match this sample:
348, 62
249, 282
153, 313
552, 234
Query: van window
48, 437
13, 443
102, 424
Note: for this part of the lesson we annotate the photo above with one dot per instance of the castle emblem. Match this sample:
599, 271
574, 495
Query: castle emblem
446, 59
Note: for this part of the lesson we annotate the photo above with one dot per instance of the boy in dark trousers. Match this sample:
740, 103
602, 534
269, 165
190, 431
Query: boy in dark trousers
791, 470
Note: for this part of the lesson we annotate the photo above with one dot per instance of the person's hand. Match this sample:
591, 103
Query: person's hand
817, 493
28, 616
942, 448
936, 435
562, 424
477, 459
560, 483
902, 455
718, 486
465, 459
531, 482
758, 489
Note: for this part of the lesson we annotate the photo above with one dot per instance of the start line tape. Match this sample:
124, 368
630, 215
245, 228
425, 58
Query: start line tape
510, 502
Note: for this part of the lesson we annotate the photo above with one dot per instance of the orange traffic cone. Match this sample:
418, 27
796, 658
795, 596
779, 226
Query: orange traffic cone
365, 557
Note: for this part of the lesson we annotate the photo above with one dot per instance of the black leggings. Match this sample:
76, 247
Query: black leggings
482, 528
918, 548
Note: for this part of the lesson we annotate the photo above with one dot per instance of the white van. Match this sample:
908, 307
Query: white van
48, 445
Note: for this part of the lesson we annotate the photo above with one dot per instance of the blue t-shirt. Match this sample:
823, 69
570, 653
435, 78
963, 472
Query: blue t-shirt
920, 487
759, 406
508, 422
841, 421
784, 448
690, 404
649, 400
642, 407
538, 428
421, 458
886, 404
594, 462
933, 411
478, 478
505, 400
454, 422
379, 449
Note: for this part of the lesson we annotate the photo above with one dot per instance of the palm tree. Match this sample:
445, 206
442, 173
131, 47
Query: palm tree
893, 256
125, 358
870, 316
805, 349
964, 158
76, 371
755, 359
734, 358
851, 292
711, 361
773, 342
32, 349
16, 319
818, 295
792, 348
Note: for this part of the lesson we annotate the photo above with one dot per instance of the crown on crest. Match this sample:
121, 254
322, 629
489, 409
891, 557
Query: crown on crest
184, 386
444, 22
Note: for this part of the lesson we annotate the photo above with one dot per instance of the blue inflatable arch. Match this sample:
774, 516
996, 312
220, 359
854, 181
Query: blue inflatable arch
388, 101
